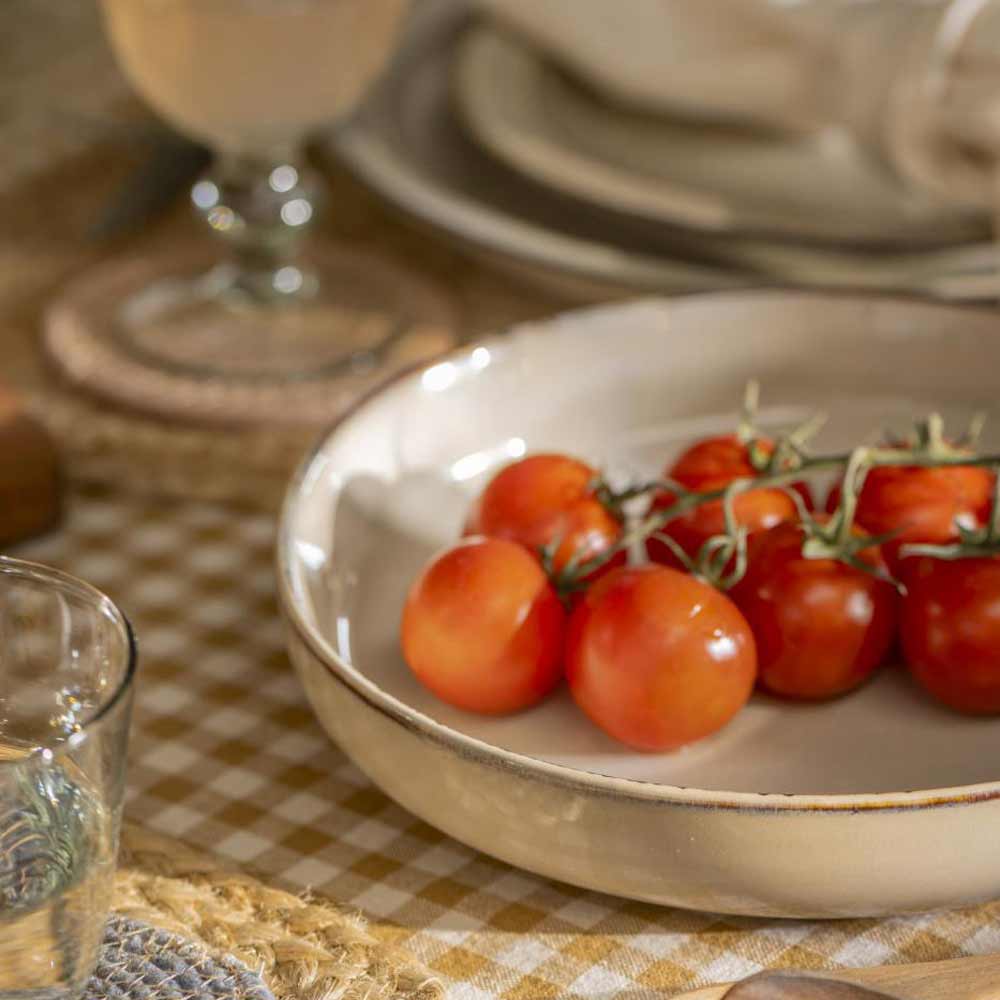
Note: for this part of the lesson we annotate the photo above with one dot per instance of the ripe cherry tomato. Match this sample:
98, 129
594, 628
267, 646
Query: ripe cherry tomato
712, 465
657, 658
950, 627
542, 498
921, 504
821, 626
483, 628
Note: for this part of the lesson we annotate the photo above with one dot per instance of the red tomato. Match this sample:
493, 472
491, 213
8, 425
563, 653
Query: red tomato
821, 626
483, 628
712, 465
950, 627
657, 658
922, 504
544, 497
833, 499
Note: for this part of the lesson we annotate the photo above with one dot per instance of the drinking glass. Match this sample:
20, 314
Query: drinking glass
252, 79
67, 659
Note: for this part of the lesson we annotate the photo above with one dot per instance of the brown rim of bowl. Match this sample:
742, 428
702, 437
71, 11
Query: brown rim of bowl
592, 782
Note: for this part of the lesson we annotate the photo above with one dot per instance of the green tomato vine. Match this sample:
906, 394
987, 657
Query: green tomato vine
723, 558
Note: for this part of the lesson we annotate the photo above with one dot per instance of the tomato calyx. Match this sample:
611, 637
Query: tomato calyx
614, 501
927, 439
577, 573
824, 541
747, 432
567, 579
611, 500
788, 451
721, 561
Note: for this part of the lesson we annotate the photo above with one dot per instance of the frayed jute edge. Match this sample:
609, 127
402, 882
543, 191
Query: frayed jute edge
304, 949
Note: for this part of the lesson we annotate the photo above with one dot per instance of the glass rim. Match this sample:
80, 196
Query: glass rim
39, 572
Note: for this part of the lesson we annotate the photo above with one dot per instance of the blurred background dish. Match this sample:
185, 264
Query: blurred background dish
942, 126
915, 82
409, 144
675, 51
824, 186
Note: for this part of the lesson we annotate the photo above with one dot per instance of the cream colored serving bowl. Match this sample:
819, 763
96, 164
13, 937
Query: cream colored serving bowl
880, 802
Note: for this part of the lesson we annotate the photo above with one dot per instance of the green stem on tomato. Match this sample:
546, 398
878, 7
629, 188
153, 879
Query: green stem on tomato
615, 500
850, 490
653, 522
930, 449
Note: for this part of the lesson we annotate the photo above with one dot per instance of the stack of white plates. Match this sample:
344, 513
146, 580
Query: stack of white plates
477, 133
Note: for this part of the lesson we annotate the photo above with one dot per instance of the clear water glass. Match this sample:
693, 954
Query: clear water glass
67, 660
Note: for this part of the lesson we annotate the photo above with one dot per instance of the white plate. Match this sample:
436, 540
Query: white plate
879, 802
408, 145
821, 187
767, 53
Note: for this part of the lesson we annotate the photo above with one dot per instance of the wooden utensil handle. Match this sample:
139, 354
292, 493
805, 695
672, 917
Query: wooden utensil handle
955, 979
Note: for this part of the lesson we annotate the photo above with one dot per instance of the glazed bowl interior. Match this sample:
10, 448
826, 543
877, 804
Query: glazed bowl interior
626, 387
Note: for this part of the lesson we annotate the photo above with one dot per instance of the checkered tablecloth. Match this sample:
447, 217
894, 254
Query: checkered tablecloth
226, 754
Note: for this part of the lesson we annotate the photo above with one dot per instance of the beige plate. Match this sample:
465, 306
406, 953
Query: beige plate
821, 187
878, 803
409, 145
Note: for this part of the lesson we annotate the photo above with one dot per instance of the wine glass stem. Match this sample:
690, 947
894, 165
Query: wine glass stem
262, 207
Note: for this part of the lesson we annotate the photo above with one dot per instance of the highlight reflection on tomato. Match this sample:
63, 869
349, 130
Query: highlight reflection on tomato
658, 658
820, 625
483, 629
543, 498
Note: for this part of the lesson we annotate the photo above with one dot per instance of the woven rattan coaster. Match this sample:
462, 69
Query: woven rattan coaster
84, 339
301, 949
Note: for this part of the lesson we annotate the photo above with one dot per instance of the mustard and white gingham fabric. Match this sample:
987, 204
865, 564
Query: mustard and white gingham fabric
226, 755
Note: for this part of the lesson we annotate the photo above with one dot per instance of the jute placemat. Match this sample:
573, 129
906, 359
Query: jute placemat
303, 948
227, 755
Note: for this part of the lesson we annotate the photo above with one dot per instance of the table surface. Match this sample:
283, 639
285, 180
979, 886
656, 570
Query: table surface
227, 755
225, 751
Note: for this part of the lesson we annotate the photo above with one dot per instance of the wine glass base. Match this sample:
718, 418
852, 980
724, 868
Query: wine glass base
175, 334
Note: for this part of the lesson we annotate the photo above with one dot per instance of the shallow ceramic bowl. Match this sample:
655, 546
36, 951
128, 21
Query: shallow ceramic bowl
880, 802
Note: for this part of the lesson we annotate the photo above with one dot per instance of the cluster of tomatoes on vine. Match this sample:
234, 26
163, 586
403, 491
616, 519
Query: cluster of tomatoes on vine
739, 582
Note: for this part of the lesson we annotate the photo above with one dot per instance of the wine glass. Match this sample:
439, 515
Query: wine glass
252, 79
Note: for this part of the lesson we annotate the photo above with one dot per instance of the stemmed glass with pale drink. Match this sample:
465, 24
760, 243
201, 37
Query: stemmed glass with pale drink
252, 79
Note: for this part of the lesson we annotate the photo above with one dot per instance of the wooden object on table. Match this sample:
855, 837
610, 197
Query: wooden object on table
29, 473
956, 979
